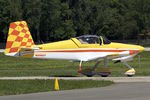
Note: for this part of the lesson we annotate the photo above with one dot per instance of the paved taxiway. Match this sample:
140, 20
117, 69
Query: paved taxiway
118, 91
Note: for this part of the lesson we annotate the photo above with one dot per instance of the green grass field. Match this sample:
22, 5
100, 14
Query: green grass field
10, 87
11, 66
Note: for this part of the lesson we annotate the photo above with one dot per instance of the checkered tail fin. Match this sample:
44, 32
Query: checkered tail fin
19, 37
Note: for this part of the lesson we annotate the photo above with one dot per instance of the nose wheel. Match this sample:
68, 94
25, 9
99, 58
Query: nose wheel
131, 72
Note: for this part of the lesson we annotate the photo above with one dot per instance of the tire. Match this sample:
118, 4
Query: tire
129, 75
89, 75
88, 72
104, 75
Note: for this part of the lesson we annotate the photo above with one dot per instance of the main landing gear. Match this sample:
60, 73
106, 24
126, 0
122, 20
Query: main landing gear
104, 72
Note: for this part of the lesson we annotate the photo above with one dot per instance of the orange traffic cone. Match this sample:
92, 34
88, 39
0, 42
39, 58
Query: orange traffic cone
56, 88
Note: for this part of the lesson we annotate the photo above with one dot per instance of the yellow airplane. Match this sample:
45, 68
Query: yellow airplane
83, 48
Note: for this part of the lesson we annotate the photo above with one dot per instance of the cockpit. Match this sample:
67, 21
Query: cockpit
93, 39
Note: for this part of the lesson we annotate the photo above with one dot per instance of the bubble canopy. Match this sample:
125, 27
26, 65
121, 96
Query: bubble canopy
93, 39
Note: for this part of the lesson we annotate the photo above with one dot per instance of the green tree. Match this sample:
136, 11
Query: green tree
52, 20
10, 10
33, 13
65, 28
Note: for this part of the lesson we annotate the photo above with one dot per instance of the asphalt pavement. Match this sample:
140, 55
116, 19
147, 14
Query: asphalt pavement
118, 91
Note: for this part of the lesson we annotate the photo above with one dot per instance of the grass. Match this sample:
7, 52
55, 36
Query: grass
11, 87
11, 66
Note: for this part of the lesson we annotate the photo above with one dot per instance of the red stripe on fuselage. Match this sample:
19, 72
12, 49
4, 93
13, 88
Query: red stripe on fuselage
135, 51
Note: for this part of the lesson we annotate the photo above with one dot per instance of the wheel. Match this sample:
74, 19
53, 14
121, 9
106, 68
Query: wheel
103, 72
104, 75
130, 72
89, 75
88, 72
130, 75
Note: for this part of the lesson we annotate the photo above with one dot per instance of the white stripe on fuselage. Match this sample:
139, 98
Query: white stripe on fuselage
78, 54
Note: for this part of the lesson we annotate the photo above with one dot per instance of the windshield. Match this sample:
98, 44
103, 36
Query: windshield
105, 40
89, 39
93, 39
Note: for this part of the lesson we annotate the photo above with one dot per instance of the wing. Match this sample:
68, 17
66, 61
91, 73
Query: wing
125, 58
110, 55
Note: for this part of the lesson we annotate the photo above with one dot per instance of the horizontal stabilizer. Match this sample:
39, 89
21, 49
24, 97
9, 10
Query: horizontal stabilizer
26, 52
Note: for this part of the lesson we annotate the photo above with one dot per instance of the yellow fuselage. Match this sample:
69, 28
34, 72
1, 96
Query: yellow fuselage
74, 43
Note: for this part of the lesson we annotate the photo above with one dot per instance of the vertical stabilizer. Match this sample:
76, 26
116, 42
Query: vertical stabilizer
19, 36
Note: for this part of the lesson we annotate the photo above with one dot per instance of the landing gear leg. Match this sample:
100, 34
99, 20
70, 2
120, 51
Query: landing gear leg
96, 65
131, 70
90, 72
80, 68
104, 72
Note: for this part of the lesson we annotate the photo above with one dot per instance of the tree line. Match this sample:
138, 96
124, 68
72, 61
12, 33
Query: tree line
53, 20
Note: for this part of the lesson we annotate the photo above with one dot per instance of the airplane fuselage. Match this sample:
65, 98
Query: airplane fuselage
73, 49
